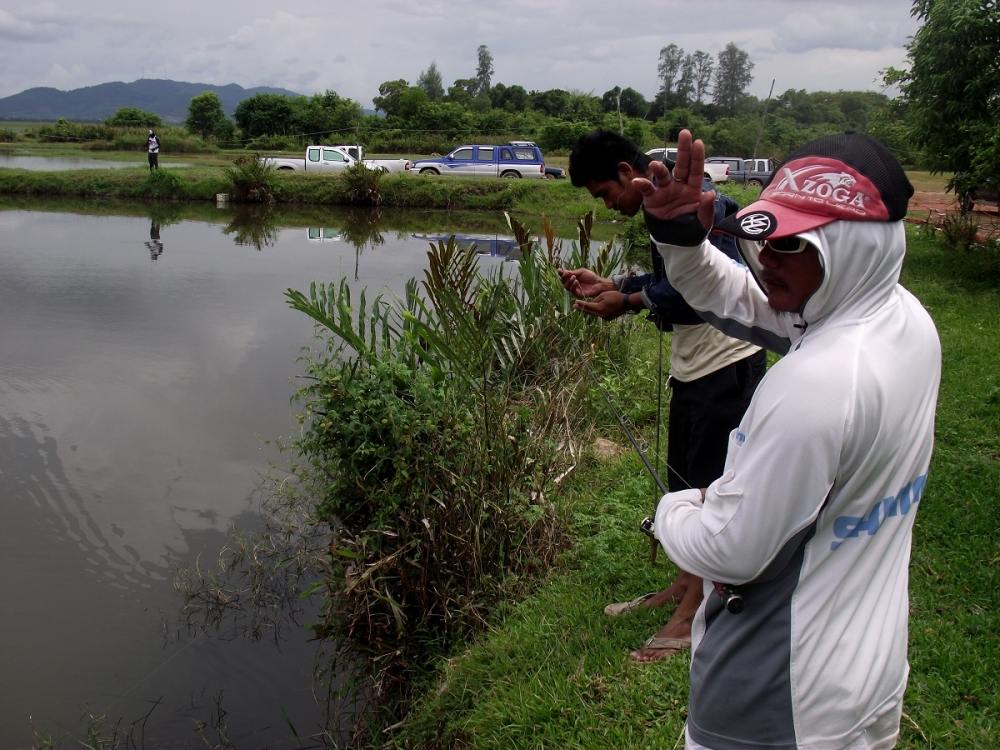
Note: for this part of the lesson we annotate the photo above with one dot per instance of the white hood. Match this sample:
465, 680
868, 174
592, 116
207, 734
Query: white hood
861, 266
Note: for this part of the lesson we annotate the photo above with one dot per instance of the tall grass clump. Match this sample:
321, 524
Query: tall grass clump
250, 179
437, 426
364, 185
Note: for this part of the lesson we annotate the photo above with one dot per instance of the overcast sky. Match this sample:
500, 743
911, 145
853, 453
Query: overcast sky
351, 47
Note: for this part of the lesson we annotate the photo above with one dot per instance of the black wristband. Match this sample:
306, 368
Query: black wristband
629, 307
685, 231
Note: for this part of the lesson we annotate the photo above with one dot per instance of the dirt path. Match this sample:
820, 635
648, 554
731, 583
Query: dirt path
939, 203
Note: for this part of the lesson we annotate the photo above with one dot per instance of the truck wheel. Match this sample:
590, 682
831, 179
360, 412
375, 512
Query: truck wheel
755, 183
285, 169
511, 174
429, 170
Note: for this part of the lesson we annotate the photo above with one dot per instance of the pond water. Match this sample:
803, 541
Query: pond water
146, 361
58, 163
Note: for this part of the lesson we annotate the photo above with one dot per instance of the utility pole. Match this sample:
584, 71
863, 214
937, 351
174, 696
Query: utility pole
763, 116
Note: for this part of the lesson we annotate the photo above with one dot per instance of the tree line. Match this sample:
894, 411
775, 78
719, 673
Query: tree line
705, 92
947, 116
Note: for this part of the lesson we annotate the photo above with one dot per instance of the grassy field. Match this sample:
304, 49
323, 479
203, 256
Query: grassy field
552, 672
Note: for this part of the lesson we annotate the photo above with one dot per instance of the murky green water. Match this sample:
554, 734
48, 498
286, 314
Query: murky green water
146, 356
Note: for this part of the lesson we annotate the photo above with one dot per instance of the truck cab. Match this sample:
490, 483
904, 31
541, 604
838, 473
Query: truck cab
326, 157
515, 159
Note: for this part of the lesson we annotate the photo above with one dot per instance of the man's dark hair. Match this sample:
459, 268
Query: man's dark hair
595, 156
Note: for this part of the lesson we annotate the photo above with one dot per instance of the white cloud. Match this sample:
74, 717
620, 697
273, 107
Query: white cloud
585, 45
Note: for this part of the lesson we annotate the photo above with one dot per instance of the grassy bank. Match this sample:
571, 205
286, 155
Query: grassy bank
553, 671
202, 183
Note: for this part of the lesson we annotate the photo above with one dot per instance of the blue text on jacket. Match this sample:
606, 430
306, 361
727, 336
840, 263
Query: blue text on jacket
847, 527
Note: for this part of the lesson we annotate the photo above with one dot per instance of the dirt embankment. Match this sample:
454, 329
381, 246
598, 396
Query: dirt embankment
936, 204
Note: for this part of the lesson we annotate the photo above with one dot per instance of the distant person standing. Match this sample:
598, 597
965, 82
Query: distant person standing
153, 149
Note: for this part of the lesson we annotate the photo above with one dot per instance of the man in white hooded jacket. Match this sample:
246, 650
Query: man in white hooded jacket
811, 520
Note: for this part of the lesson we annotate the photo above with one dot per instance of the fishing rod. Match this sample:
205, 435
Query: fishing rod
732, 600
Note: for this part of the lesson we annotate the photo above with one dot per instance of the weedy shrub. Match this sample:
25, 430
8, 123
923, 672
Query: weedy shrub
437, 425
364, 185
958, 231
250, 180
7, 135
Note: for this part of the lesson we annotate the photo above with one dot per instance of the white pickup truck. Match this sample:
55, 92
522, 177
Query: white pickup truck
715, 172
335, 159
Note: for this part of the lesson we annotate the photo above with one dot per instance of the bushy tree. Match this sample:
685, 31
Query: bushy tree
732, 78
626, 100
952, 88
484, 70
685, 86
553, 102
732, 136
561, 134
265, 114
389, 93
205, 114
463, 91
669, 67
670, 125
510, 98
431, 84
448, 117
133, 117
318, 117
704, 66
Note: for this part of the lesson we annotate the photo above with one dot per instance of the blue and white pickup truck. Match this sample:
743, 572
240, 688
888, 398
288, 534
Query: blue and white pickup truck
518, 159
334, 159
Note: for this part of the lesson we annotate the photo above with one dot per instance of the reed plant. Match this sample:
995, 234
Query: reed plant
434, 429
251, 180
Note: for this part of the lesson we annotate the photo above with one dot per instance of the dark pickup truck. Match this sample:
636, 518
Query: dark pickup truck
754, 172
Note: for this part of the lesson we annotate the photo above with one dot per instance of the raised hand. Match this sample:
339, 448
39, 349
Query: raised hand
667, 196
582, 282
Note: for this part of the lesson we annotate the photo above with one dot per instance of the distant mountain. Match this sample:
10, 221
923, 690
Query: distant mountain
168, 99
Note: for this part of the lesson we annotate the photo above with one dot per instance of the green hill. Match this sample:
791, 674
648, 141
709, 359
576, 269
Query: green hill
168, 99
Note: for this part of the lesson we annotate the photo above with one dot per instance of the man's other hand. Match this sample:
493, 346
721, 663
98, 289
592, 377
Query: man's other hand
582, 282
607, 305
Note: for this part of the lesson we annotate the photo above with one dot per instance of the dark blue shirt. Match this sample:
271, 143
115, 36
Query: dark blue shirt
667, 305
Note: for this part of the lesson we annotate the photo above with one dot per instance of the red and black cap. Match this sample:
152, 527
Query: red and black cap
845, 177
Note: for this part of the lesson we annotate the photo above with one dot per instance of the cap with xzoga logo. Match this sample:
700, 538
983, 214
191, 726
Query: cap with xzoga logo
846, 177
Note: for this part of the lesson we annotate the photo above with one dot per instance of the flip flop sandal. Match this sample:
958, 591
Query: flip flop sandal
659, 643
623, 608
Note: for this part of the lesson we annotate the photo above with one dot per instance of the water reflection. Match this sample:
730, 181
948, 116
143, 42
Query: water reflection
155, 246
135, 402
31, 468
493, 245
253, 226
